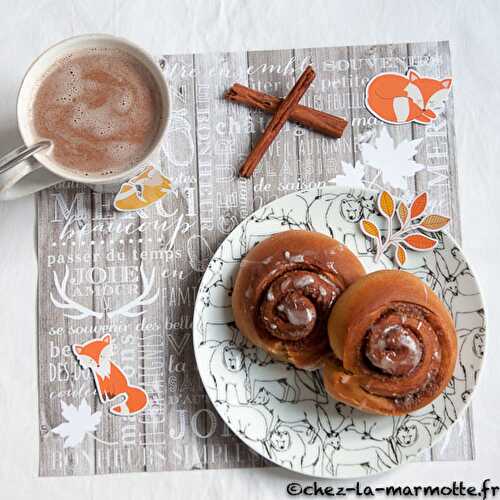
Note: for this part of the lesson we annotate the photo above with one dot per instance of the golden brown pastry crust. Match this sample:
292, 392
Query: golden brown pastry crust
394, 345
284, 291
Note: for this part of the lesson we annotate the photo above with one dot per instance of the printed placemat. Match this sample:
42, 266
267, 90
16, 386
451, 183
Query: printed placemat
126, 282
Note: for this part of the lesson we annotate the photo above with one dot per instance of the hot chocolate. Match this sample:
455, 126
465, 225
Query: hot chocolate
101, 109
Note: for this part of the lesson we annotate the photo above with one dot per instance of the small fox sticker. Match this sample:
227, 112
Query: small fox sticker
145, 188
396, 98
111, 383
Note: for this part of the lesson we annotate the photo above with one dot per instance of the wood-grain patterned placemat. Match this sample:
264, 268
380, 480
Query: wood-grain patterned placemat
101, 267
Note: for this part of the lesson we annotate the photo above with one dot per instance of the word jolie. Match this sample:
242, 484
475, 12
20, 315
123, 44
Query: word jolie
395, 98
111, 382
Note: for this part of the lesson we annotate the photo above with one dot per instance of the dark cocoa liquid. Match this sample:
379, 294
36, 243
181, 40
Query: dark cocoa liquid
101, 109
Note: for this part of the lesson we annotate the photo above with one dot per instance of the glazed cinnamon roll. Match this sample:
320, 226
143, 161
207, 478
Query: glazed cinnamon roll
285, 289
394, 343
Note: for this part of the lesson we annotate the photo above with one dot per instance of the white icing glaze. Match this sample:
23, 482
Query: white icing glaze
332, 267
326, 279
390, 357
298, 317
303, 281
285, 285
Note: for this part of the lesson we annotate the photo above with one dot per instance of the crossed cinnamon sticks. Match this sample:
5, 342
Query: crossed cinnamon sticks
283, 109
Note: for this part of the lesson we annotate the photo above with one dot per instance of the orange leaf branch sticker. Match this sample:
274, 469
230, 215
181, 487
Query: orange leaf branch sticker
419, 242
400, 255
386, 204
370, 229
434, 222
412, 221
418, 205
402, 213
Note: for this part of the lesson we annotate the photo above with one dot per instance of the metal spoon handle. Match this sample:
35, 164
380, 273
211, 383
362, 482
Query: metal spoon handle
18, 155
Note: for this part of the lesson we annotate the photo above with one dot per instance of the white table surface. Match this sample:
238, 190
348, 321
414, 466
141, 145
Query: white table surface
166, 26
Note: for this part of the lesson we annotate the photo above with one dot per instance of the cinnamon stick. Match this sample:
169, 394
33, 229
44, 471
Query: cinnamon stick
320, 121
277, 121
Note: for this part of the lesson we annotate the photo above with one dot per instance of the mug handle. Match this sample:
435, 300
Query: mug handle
20, 176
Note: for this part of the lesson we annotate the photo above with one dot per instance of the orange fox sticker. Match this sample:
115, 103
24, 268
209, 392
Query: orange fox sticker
142, 190
111, 383
396, 98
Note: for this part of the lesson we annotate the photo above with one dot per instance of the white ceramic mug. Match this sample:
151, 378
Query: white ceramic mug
26, 169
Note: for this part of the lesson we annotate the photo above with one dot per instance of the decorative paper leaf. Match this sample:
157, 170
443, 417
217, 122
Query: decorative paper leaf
394, 161
352, 175
419, 242
400, 255
419, 205
402, 213
434, 222
386, 204
79, 421
370, 229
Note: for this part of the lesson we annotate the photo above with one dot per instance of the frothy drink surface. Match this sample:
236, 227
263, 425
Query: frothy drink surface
100, 108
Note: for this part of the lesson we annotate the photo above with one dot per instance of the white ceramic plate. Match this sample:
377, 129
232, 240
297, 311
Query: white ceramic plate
280, 411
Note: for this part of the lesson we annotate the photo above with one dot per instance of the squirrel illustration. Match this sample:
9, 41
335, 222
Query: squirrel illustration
109, 379
397, 98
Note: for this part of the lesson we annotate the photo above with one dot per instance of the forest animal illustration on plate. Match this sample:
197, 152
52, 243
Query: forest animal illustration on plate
255, 428
379, 451
295, 447
396, 98
352, 207
285, 413
111, 382
447, 273
228, 368
471, 341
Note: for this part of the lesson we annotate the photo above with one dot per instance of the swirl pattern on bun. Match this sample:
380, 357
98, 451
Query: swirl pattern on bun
394, 345
284, 292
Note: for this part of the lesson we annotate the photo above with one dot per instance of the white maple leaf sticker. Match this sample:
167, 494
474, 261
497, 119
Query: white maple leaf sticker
393, 161
352, 175
79, 422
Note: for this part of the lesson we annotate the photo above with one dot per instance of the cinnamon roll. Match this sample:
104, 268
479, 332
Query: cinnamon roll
285, 289
394, 345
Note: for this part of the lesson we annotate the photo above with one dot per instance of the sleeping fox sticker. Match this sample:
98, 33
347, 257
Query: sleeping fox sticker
111, 383
396, 98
